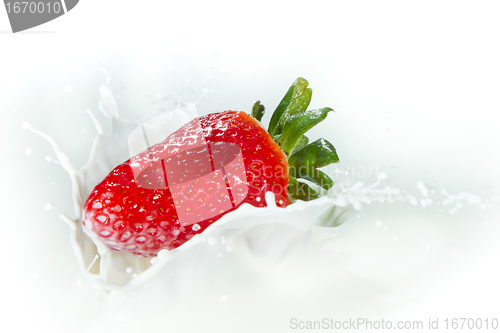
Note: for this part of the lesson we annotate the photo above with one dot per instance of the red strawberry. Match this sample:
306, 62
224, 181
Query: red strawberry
175, 189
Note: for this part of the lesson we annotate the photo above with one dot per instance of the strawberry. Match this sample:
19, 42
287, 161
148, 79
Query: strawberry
162, 197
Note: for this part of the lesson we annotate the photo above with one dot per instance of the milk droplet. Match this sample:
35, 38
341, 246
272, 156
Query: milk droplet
258, 199
49, 206
25, 125
128, 270
212, 241
196, 227
97, 284
163, 255
378, 223
48, 158
28, 151
423, 190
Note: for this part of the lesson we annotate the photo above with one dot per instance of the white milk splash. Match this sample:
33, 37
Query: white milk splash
269, 232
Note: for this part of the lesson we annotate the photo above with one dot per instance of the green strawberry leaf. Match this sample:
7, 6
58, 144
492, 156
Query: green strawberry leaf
319, 153
300, 144
304, 163
318, 177
296, 125
296, 100
258, 110
300, 191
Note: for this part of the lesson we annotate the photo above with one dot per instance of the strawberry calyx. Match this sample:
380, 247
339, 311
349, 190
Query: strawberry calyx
288, 125
258, 110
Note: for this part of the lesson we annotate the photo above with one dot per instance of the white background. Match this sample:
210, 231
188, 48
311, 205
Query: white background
415, 86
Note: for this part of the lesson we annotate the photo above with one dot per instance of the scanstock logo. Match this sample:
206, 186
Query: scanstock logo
28, 14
